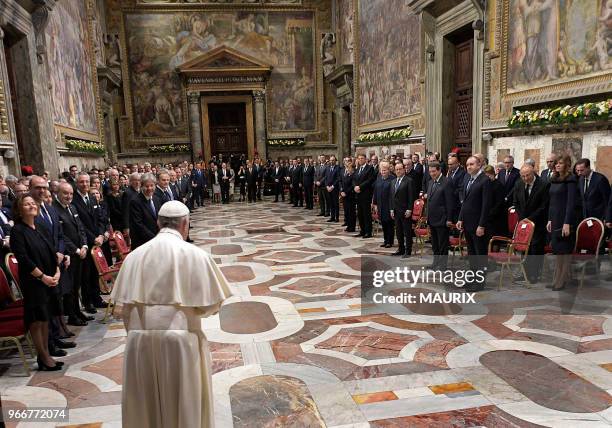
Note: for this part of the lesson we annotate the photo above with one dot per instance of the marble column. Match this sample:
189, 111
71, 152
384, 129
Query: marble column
259, 98
195, 124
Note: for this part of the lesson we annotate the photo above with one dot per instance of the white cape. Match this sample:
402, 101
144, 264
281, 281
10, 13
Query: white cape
194, 279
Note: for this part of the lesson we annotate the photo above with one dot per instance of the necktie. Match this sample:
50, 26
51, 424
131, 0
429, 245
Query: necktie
87, 201
397, 183
434, 187
169, 193
46, 215
467, 189
3, 217
527, 192
152, 208
586, 185
360, 169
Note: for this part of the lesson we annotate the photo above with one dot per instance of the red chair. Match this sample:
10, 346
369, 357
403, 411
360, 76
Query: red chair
121, 246
513, 219
10, 261
457, 243
106, 276
13, 331
516, 251
589, 234
420, 228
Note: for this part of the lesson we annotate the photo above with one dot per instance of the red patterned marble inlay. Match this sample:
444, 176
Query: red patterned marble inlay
225, 249
317, 285
576, 325
367, 342
238, 273
332, 242
221, 233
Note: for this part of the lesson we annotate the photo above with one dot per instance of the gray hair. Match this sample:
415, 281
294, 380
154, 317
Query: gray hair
82, 174
148, 177
135, 176
162, 171
530, 162
171, 222
11, 178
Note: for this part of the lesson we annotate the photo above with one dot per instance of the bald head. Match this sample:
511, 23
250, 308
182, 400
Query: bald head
527, 173
65, 193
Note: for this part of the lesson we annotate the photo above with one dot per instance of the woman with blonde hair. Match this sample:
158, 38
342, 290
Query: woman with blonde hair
562, 219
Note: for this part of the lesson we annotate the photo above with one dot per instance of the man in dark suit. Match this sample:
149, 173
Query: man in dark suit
456, 175
174, 185
594, 190
473, 217
259, 173
416, 164
321, 191
288, 172
84, 204
226, 177
130, 193
296, 183
508, 177
72, 177
184, 187
375, 165
402, 200
332, 185
415, 175
530, 201
547, 173
75, 243
363, 185
143, 212
198, 185
440, 209
278, 177
308, 183
251, 182
163, 192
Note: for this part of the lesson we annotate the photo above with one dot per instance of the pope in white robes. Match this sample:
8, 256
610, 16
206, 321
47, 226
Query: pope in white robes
166, 286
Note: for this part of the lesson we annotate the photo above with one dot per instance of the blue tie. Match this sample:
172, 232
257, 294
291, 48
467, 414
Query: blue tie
46, 217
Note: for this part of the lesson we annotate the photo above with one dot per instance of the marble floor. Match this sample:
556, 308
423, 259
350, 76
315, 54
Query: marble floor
311, 356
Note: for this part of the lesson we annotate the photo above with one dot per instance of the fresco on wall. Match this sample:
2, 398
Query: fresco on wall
388, 82
345, 16
543, 47
158, 43
70, 67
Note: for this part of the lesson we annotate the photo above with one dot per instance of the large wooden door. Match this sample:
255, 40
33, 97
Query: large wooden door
463, 85
228, 129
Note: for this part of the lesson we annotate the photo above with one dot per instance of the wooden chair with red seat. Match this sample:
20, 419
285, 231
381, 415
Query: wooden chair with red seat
106, 277
122, 247
589, 235
376, 225
513, 219
10, 261
420, 228
515, 253
14, 331
457, 243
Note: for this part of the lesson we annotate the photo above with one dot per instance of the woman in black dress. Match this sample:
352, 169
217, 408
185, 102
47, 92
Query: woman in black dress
38, 273
113, 205
242, 182
562, 219
348, 194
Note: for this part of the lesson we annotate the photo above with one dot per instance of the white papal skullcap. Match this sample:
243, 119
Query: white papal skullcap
172, 209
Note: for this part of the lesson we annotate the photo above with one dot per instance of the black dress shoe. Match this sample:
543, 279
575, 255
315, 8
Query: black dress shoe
84, 317
344, 224
320, 215
58, 353
189, 240
405, 256
336, 221
388, 246
359, 235
90, 309
349, 230
64, 345
383, 245
45, 368
398, 253
330, 220
78, 322
369, 235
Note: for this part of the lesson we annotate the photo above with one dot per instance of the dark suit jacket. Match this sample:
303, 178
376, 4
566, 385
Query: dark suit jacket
6, 228
229, 173
332, 177
74, 234
308, 176
417, 180
545, 175
535, 208
184, 186
176, 191
296, 175
609, 210
595, 201
162, 196
88, 218
476, 203
251, 177
440, 202
197, 178
143, 224
55, 233
126, 198
508, 180
365, 181
403, 197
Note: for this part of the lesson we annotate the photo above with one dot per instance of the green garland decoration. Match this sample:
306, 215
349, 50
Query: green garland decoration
85, 146
386, 136
286, 142
170, 148
562, 114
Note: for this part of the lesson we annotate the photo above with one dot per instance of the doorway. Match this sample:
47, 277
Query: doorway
458, 85
228, 133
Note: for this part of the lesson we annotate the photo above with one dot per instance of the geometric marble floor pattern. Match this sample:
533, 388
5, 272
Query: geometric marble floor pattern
292, 348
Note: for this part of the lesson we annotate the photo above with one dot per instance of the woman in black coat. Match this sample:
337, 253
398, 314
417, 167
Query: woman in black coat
497, 220
38, 273
562, 219
112, 201
242, 182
